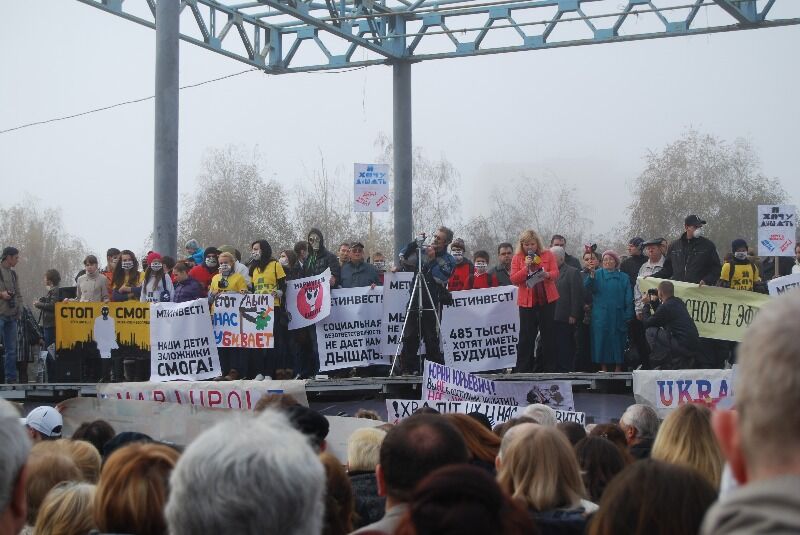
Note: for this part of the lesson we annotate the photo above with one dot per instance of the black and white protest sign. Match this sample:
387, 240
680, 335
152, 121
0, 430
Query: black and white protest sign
182, 345
781, 285
481, 328
443, 383
396, 293
398, 409
351, 334
308, 300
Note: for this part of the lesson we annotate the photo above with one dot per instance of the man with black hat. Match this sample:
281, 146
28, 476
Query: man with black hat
10, 310
631, 265
692, 257
356, 272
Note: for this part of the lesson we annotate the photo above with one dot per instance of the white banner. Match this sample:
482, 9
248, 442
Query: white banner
668, 390
182, 342
308, 300
396, 293
398, 409
443, 383
244, 320
481, 328
351, 334
784, 284
371, 187
777, 225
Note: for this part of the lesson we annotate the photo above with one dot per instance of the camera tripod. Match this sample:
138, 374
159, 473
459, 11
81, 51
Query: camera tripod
416, 293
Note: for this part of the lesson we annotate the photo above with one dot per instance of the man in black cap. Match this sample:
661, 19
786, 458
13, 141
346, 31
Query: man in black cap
692, 257
10, 310
630, 266
356, 272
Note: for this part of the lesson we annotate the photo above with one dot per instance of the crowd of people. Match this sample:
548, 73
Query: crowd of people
702, 470
576, 314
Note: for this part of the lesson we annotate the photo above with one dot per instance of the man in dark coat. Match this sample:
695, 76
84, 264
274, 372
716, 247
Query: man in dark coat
692, 257
569, 307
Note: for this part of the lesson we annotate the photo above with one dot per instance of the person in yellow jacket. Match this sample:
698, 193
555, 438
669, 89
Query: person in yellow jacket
740, 273
226, 280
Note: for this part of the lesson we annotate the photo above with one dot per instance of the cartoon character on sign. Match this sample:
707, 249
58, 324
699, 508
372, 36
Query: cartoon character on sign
105, 334
309, 301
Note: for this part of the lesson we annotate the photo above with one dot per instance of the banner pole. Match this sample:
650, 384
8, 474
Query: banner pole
369, 239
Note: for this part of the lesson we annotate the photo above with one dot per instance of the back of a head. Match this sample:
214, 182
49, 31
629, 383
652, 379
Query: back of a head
46, 468
67, 510
275, 401
482, 444
463, 500
573, 431
98, 433
616, 435
85, 455
339, 500
686, 438
652, 497
16, 447
768, 385
540, 468
543, 414
642, 417
414, 448
364, 448
133, 489
309, 422
600, 461
265, 477
511, 435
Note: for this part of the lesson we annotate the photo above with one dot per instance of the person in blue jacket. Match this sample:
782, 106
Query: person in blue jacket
612, 308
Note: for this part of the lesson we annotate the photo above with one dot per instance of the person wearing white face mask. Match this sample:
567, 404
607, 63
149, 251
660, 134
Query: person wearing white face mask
461, 278
157, 285
126, 283
203, 273
692, 257
740, 273
268, 277
238, 265
482, 278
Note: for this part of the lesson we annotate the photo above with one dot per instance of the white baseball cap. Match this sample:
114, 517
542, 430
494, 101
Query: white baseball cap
45, 420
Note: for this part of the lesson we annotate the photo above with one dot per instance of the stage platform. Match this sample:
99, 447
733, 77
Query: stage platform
353, 387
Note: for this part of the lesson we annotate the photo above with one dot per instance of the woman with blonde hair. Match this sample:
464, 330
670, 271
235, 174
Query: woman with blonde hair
66, 510
85, 455
534, 271
540, 469
363, 455
686, 438
133, 489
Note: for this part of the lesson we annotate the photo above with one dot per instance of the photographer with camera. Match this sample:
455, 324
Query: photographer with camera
669, 329
437, 266
10, 310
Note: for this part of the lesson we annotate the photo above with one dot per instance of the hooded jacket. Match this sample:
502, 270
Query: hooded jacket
321, 259
691, 261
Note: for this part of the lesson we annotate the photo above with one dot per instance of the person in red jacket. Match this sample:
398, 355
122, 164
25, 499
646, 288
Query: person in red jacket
461, 279
534, 271
203, 273
482, 277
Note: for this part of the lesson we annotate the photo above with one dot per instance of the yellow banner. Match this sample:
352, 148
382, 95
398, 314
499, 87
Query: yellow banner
719, 313
110, 325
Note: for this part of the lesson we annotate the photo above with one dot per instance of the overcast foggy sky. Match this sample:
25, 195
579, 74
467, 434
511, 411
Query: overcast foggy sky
585, 114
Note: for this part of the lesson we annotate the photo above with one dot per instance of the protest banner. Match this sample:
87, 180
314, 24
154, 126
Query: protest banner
784, 284
182, 342
777, 225
308, 300
244, 320
212, 394
480, 329
370, 187
719, 313
92, 328
398, 409
666, 390
350, 337
443, 383
396, 293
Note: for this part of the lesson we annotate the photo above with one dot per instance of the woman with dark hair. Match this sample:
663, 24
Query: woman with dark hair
600, 461
47, 305
612, 308
292, 268
126, 283
466, 500
340, 505
482, 444
268, 277
652, 497
614, 434
583, 359
157, 286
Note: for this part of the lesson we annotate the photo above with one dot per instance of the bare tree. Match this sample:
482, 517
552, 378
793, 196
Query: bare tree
39, 235
233, 203
704, 175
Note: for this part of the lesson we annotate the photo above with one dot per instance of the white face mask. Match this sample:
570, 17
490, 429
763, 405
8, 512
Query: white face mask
211, 262
480, 267
155, 266
255, 255
380, 265
740, 255
127, 264
698, 232
224, 268
458, 255
284, 261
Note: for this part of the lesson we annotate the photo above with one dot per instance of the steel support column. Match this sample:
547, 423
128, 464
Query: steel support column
403, 159
165, 183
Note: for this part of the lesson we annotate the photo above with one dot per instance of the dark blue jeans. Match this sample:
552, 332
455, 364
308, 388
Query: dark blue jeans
8, 329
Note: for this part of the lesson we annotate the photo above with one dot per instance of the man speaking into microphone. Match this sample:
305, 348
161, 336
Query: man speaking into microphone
437, 266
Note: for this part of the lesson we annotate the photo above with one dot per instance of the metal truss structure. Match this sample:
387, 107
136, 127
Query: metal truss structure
285, 36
